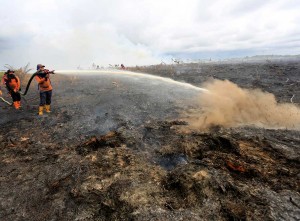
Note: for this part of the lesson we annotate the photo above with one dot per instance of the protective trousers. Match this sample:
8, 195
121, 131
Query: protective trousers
16, 97
45, 98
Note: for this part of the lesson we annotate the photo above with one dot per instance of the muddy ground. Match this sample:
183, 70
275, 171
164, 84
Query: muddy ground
115, 148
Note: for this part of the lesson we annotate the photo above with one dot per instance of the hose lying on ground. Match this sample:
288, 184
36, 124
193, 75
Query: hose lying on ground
5, 101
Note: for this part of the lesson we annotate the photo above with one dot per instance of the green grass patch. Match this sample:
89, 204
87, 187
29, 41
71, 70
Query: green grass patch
1, 74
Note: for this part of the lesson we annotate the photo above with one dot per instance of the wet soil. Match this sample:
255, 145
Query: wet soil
116, 149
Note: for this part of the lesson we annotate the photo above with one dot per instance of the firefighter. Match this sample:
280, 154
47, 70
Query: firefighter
45, 87
12, 83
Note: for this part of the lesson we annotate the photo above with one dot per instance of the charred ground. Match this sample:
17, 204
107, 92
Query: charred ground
106, 153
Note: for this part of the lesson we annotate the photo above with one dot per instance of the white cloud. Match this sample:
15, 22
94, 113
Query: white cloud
67, 33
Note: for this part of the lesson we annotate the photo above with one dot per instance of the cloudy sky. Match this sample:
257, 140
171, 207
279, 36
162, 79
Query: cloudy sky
68, 33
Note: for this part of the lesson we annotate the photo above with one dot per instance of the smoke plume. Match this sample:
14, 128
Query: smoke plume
228, 105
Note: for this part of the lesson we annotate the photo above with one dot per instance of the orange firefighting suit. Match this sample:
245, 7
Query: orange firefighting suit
13, 85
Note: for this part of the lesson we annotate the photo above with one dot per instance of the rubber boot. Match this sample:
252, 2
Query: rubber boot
47, 107
41, 108
16, 105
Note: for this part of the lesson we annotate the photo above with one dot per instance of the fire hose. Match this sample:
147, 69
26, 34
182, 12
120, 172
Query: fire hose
43, 74
5, 101
31, 78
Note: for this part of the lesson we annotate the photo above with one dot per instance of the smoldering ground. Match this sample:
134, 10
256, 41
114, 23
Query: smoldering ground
112, 149
226, 104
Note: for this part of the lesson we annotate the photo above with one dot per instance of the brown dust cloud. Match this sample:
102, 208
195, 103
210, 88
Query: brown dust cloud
228, 105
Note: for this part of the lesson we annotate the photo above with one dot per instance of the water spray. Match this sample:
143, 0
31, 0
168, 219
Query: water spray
132, 74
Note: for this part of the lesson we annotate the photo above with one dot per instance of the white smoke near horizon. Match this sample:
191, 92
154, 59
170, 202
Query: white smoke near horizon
228, 105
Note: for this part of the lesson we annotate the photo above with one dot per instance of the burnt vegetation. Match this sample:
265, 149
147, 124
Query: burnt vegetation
154, 169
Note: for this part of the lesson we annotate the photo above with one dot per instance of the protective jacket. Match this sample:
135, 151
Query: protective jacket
12, 82
44, 81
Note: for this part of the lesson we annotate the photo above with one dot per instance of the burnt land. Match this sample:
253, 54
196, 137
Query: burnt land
113, 150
